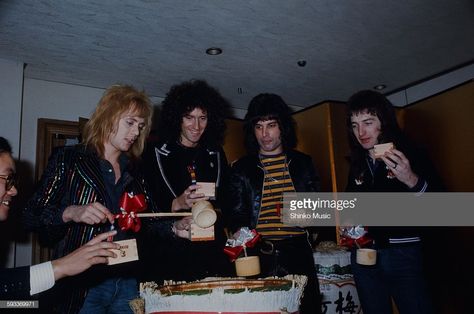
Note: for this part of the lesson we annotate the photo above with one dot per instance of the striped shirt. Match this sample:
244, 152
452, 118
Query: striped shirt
276, 181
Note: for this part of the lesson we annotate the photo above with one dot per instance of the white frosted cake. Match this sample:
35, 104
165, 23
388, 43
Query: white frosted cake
225, 295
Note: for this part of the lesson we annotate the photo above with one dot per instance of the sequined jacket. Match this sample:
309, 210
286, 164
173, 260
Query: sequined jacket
73, 177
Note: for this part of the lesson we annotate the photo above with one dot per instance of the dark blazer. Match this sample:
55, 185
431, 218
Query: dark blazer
14, 283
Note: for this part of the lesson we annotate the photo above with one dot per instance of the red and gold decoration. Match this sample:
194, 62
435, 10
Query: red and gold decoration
354, 236
244, 238
130, 205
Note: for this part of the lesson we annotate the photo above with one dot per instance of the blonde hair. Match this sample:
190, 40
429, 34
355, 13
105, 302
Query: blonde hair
117, 100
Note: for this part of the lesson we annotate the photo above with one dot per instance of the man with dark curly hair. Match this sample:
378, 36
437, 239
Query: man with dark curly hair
256, 189
188, 152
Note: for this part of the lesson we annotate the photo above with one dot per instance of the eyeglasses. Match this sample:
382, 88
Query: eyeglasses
10, 181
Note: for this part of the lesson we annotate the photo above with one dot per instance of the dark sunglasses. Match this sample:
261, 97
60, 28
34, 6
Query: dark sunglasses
10, 181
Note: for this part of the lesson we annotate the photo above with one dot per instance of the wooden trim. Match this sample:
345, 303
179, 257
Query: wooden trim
50, 133
332, 165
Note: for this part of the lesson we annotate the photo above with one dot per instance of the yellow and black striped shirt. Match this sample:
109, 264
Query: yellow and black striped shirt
276, 181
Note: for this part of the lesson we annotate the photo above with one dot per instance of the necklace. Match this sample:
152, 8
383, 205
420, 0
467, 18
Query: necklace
276, 175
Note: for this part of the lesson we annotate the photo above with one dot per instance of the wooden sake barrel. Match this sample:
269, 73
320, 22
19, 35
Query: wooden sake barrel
336, 281
229, 295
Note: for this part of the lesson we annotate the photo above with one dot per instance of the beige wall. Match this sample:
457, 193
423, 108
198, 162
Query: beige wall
313, 127
321, 134
234, 140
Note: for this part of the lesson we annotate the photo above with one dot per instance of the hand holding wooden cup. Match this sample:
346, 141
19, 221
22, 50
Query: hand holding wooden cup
204, 214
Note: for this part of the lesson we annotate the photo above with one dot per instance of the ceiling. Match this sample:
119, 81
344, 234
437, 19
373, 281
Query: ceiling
347, 45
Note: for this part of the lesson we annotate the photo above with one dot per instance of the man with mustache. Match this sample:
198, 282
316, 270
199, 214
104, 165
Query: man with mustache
258, 181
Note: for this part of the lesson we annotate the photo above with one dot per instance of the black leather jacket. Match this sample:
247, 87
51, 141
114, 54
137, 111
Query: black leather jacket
376, 180
167, 174
246, 183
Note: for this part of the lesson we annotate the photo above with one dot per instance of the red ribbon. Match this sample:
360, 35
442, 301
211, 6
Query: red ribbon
234, 251
131, 204
350, 242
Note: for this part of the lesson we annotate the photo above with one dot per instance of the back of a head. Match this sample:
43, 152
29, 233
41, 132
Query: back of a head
5, 147
268, 106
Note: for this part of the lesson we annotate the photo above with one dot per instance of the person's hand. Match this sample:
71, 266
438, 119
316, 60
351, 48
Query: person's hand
397, 162
93, 252
90, 214
188, 198
181, 227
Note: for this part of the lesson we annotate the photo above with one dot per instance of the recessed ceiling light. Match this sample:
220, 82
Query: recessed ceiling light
301, 63
214, 51
380, 87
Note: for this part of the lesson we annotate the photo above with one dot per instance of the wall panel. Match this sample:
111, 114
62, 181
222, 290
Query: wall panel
313, 131
444, 126
234, 140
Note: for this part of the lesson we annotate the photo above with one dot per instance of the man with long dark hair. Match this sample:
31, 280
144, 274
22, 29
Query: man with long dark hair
191, 131
371, 120
257, 184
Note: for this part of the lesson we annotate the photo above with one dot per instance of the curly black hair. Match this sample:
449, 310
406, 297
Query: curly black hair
184, 98
268, 107
5, 147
